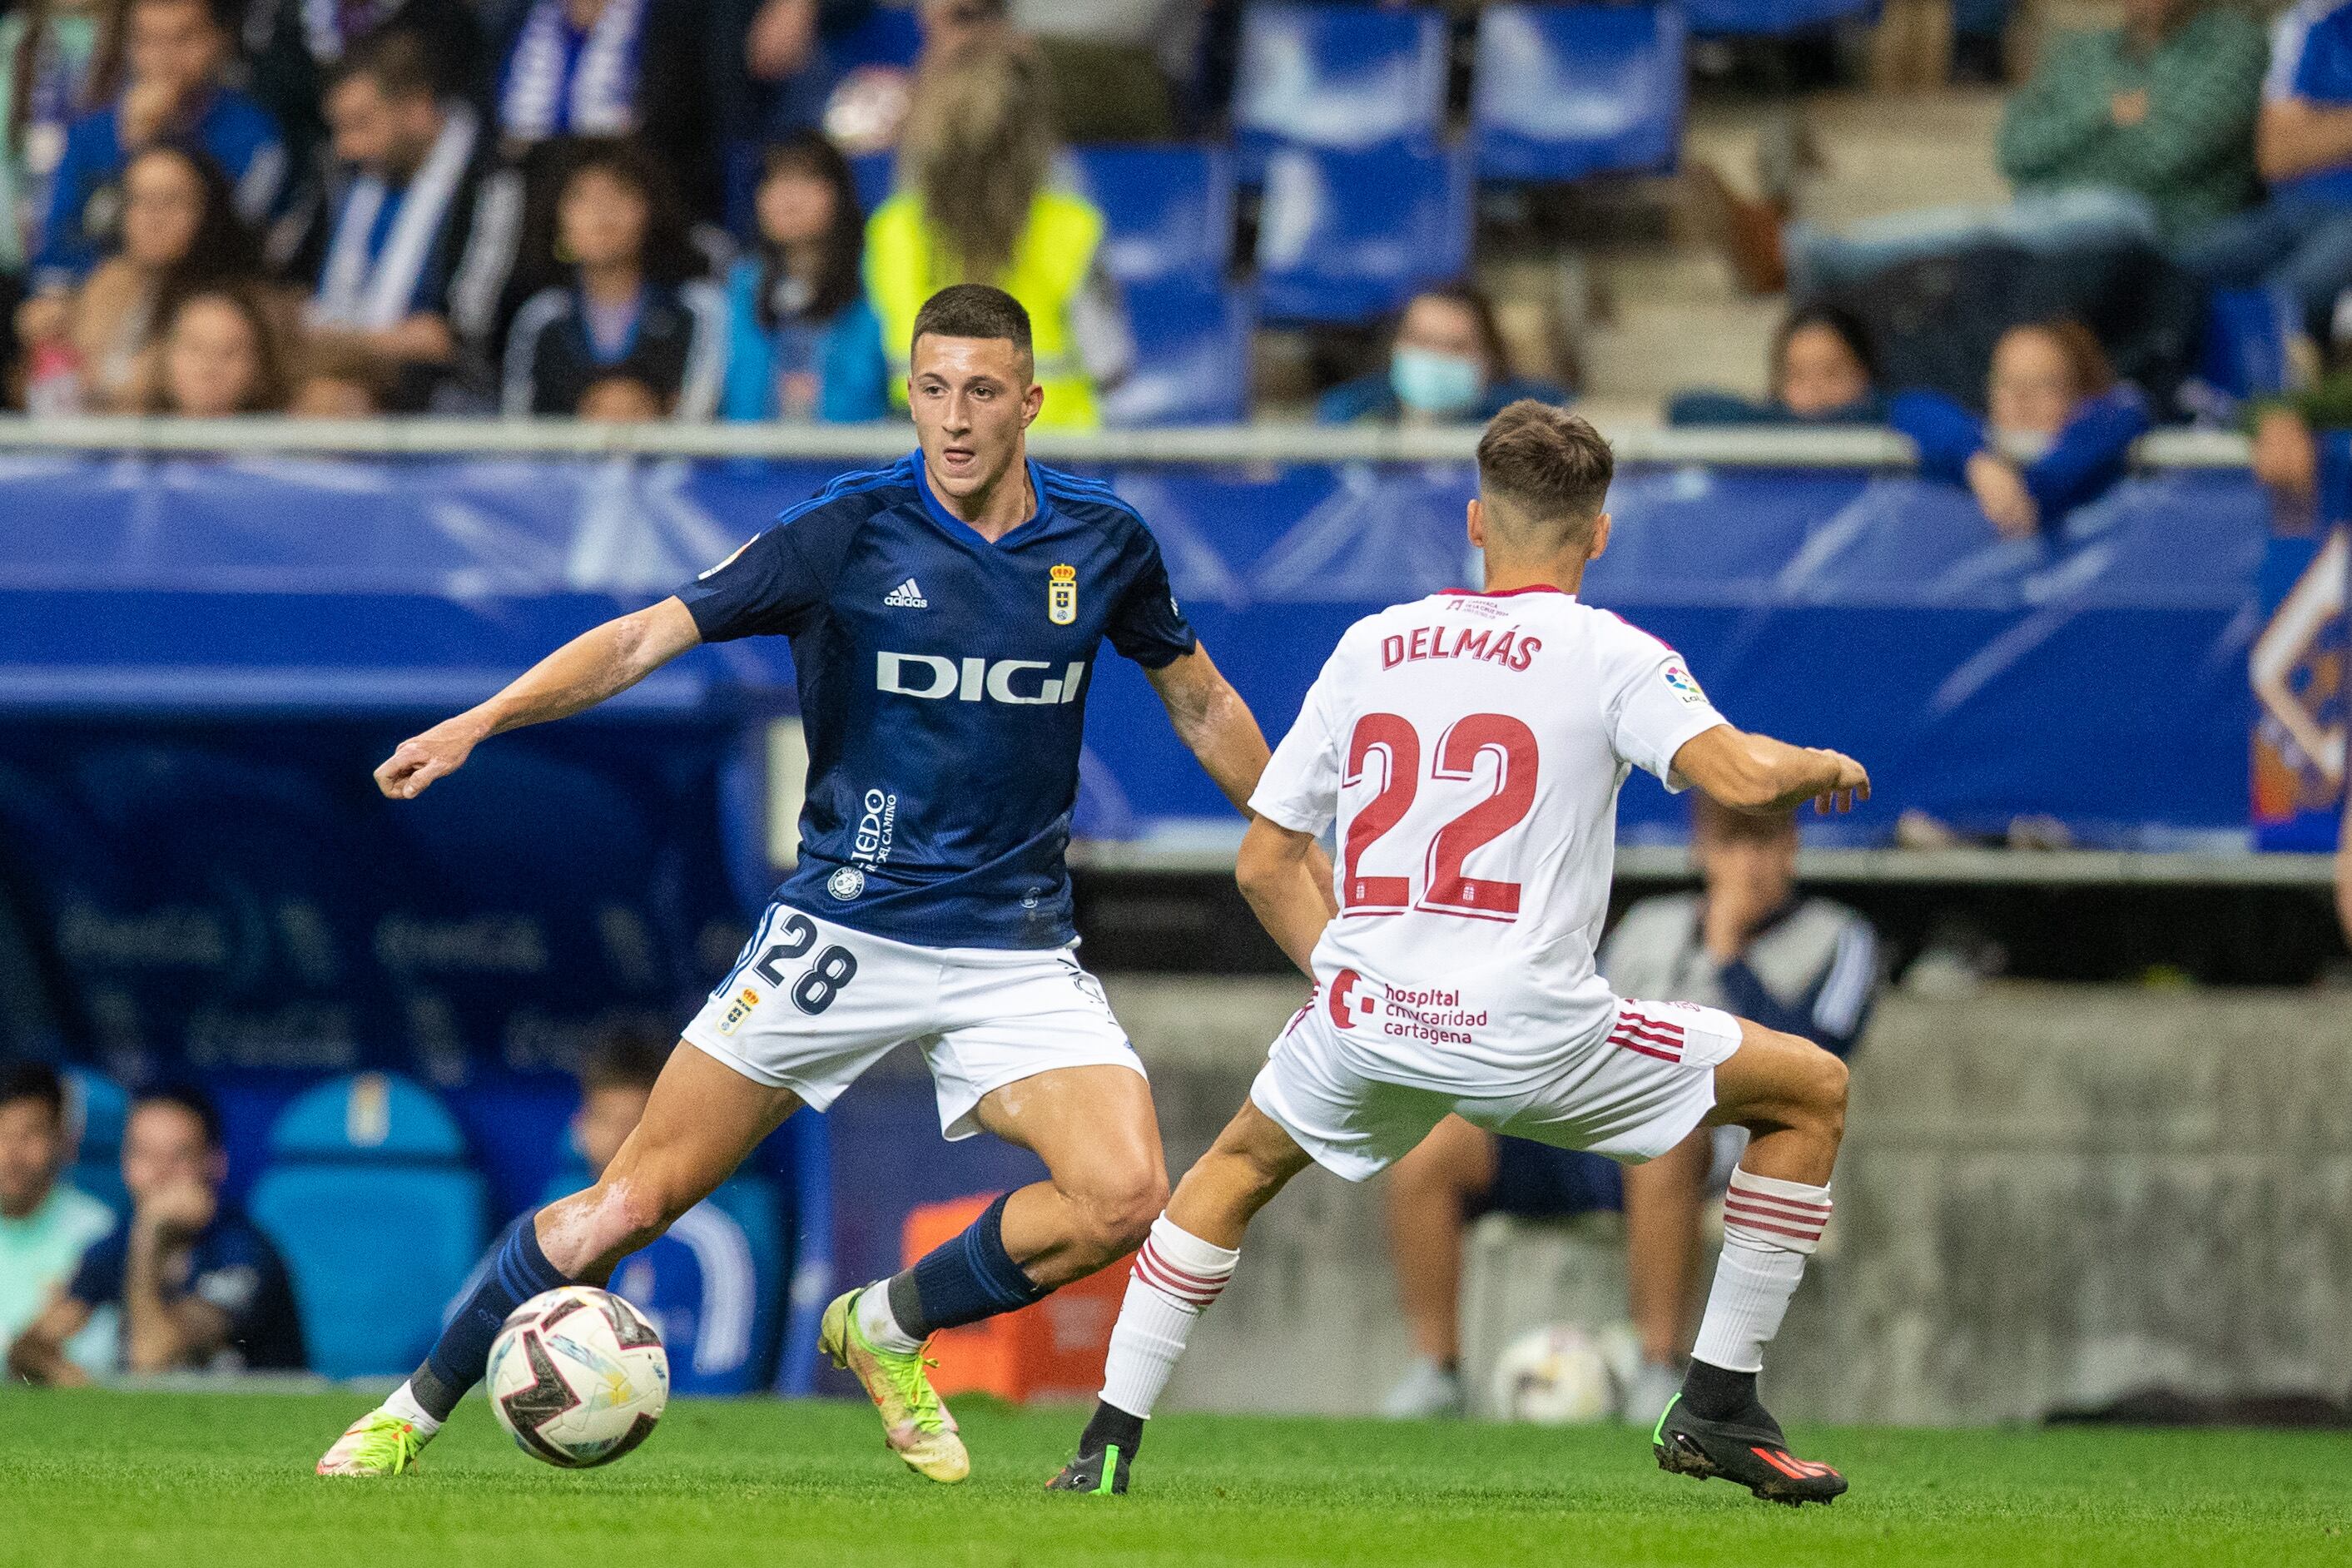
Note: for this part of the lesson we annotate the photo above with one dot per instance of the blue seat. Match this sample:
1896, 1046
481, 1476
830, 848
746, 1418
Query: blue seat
1345, 76
96, 1109
369, 1199
1768, 18
2244, 348
885, 36
1168, 211
1191, 356
1348, 237
1564, 91
874, 174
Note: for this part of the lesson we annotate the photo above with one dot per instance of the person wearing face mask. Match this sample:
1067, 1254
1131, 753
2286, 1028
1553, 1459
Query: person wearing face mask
801, 343
2049, 383
1446, 367
1824, 371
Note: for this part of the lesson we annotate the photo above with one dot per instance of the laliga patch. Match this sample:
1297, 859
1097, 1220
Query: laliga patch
1062, 596
1685, 686
738, 1010
846, 883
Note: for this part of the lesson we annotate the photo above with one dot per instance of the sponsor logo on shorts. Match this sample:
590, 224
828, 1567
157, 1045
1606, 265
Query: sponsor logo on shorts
846, 883
738, 1010
1429, 1014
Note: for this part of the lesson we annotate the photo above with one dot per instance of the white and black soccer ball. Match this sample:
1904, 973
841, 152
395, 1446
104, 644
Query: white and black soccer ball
578, 1377
1554, 1376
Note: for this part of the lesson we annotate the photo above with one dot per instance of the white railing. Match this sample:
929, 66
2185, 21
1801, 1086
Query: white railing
1723, 446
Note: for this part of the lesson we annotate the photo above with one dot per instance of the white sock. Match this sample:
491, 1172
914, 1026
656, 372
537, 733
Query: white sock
877, 1323
1176, 1276
403, 1404
1769, 1229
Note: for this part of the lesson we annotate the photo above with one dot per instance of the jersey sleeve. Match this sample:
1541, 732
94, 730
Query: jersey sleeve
1147, 626
1657, 707
1300, 787
777, 583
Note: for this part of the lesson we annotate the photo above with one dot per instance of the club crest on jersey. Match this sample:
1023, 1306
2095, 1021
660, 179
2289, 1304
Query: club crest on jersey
846, 883
738, 1010
1062, 596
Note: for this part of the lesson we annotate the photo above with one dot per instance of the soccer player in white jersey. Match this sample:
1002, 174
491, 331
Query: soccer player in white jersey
1470, 747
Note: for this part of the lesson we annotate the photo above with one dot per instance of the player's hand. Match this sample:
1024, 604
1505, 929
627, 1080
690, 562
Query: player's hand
1853, 784
421, 759
2001, 490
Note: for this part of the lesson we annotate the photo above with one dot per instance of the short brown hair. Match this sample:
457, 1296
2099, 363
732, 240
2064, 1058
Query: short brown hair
398, 61
1547, 468
2086, 362
974, 310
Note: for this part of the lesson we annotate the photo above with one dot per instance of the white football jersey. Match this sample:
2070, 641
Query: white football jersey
1470, 747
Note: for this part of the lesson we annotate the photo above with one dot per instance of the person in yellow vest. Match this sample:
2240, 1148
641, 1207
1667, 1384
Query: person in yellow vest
976, 203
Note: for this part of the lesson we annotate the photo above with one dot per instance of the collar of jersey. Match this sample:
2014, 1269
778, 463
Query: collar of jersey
1506, 593
950, 523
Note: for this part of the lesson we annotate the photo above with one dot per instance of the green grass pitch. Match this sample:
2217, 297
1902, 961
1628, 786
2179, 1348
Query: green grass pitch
115, 1479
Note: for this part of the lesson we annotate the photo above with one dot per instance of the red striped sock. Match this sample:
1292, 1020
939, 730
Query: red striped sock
1769, 1228
1176, 1276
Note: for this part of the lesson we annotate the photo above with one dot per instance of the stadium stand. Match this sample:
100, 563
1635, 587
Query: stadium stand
1344, 78
369, 1196
1350, 235
1565, 92
95, 1111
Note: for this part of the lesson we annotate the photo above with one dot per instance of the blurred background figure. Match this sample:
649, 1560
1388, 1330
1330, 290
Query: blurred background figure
975, 204
180, 56
45, 1222
1825, 370
631, 302
2051, 384
1118, 67
46, 48
1749, 943
1447, 365
338, 380
93, 347
190, 1284
801, 343
222, 355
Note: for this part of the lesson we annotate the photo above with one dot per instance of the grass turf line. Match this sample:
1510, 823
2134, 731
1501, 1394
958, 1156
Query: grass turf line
98, 1477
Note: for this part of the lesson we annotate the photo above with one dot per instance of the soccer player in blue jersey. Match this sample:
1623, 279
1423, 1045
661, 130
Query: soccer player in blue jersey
946, 614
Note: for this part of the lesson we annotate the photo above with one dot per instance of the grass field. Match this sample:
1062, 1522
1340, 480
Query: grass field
98, 1478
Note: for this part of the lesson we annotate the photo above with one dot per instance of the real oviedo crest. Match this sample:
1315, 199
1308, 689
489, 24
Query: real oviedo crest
1062, 596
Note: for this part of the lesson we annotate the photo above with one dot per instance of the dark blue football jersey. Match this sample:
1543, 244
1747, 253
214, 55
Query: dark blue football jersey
942, 683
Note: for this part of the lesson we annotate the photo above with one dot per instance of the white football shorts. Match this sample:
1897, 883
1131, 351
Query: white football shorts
810, 1004
1632, 1092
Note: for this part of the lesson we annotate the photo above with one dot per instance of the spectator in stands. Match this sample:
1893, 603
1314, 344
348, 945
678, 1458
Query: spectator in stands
192, 1284
46, 49
1447, 365
93, 347
632, 304
2050, 384
223, 354
622, 399
866, 110
2299, 241
700, 1283
180, 54
1824, 371
1749, 943
403, 215
337, 379
46, 1224
2142, 134
780, 68
621, 68
974, 206
1115, 65
299, 48
801, 343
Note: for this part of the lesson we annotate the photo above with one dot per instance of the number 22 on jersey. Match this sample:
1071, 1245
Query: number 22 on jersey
1445, 889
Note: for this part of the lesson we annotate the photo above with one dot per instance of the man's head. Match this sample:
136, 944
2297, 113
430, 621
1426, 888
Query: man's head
32, 1137
1757, 852
616, 1082
972, 385
383, 105
1448, 351
181, 44
1543, 477
172, 1138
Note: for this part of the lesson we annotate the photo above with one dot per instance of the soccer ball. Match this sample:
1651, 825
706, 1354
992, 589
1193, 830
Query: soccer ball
578, 1377
1555, 1377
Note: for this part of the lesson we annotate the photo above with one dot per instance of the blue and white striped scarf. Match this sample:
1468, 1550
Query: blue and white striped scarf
559, 82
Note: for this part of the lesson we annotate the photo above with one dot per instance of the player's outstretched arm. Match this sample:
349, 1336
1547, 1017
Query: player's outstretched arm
1278, 872
1757, 773
586, 670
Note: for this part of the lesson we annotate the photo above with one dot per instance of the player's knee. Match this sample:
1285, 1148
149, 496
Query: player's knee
1116, 1210
1823, 1090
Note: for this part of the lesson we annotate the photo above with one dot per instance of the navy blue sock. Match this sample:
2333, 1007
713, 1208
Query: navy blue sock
963, 1279
518, 1271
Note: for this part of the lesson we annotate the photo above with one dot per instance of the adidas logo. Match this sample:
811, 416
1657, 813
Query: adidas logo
907, 597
